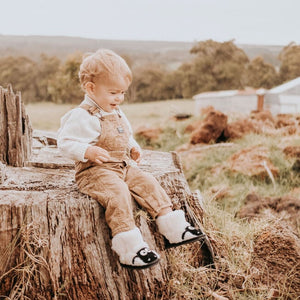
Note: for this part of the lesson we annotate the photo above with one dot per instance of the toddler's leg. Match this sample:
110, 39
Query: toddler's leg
112, 193
150, 195
147, 191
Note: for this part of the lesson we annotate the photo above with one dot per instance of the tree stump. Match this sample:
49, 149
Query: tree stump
54, 241
15, 129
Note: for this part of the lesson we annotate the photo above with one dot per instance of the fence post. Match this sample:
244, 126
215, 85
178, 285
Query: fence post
260, 99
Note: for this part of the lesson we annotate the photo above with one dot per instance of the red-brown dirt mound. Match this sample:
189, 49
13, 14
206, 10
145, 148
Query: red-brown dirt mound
211, 128
193, 126
287, 207
252, 161
214, 128
264, 116
287, 124
206, 110
197, 124
292, 151
239, 128
284, 120
275, 260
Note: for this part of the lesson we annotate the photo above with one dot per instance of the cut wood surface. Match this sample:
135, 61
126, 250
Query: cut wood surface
55, 243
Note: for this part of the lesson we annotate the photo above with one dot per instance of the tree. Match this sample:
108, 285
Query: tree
30, 77
20, 72
290, 62
261, 74
217, 66
171, 86
196, 77
46, 71
147, 84
65, 88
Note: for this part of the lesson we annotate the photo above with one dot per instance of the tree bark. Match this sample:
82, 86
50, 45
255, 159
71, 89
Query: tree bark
15, 129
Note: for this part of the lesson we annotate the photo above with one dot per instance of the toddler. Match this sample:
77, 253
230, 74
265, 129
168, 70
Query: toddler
98, 136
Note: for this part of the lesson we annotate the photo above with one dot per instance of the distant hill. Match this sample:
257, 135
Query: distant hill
268, 52
140, 52
171, 54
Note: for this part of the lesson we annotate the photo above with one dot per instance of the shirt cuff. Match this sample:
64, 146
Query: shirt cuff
133, 143
81, 152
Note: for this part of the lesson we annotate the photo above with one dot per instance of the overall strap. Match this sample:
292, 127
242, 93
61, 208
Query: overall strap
90, 109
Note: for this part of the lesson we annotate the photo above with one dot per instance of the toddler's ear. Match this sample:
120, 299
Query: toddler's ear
90, 87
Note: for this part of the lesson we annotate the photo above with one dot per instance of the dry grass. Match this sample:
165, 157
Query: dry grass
21, 279
223, 194
46, 115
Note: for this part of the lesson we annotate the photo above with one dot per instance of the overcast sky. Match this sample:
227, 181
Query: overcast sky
246, 21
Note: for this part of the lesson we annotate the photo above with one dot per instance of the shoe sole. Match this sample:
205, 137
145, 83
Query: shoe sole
169, 245
140, 267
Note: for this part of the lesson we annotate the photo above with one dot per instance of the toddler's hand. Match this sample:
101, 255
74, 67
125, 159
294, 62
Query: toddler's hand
97, 154
135, 154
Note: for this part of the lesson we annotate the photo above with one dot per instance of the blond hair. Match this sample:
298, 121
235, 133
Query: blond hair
104, 64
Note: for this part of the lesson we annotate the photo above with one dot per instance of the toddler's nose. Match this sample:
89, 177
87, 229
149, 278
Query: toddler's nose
119, 98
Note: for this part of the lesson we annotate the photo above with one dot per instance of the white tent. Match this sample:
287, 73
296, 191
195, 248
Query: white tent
284, 98
243, 101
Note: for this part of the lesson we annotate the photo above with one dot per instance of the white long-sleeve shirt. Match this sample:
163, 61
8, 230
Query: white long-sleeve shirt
79, 130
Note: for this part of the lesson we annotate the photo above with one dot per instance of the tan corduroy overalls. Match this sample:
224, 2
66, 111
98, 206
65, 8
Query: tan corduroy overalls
113, 182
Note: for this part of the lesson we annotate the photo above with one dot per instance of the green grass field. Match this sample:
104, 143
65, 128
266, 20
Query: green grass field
46, 116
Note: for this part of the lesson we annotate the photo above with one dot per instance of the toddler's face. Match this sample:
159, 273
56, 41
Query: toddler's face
111, 94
